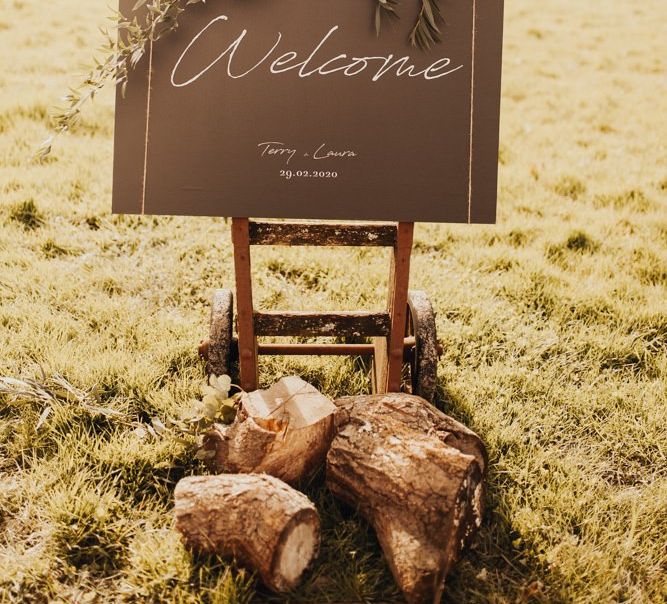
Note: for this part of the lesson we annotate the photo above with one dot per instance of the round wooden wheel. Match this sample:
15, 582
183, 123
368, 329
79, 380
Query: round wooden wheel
423, 365
220, 339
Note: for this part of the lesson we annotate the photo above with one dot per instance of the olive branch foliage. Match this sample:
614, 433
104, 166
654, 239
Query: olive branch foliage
126, 41
425, 32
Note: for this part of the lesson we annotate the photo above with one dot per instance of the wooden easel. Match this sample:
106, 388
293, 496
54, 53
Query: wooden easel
386, 328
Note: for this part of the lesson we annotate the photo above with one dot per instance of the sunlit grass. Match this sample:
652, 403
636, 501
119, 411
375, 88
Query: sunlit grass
554, 324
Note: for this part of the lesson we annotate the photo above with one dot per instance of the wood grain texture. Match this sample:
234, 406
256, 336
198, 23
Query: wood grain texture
248, 367
287, 440
370, 234
252, 518
397, 460
322, 324
221, 332
399, 283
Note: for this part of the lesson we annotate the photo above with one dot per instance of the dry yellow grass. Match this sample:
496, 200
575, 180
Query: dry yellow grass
554, 323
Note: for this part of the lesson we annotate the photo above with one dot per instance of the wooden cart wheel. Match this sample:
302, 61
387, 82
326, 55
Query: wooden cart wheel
220, 343
423, 365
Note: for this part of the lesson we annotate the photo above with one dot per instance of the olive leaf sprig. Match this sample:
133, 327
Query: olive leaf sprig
426, 31
384, 8
125, 44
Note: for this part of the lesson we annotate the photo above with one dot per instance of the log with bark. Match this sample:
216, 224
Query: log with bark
416, 476
256, 519
284, 431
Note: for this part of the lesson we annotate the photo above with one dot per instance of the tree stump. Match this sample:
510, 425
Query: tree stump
257, 519
416, 476
284, 431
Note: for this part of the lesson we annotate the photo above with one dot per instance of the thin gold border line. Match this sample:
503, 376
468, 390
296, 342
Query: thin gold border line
472, 108
148, 116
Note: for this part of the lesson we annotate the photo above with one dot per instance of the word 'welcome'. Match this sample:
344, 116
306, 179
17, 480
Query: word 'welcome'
315, 64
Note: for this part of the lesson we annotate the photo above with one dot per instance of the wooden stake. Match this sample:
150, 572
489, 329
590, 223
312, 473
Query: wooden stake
399, 282
246, 330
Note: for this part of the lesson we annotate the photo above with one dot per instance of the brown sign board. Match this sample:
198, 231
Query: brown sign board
297, 109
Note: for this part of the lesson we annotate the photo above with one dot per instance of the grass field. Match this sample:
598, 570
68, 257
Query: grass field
554, 323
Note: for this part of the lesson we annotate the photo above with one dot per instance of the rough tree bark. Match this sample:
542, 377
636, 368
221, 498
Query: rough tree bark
284, 431
257, 519
416, 476
418, 414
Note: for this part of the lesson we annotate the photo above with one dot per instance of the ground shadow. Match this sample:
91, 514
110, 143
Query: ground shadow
501, 565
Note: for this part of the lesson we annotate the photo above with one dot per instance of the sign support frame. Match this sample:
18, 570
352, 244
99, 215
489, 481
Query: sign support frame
388, 329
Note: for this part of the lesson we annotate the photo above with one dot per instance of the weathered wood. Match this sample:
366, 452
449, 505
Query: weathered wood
316, 349
248, 368
380, 365
398, 303
397, 460
284, 431
418, 415
322, 324
323, 234
424, 364
256, 519
221, 332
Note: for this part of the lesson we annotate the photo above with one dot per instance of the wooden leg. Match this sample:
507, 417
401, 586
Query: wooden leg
246, 328
398, 303
380, 365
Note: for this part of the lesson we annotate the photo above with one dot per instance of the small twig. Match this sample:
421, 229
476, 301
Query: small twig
288, 399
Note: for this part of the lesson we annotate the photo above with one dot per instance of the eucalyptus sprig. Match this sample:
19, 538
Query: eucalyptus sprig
125, 44
217, 405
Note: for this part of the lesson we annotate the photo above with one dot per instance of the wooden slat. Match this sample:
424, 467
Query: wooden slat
316, 349
248, 367
399, 303
375, 234
322, 324
277, 349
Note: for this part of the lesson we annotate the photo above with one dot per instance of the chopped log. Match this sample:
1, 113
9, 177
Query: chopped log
395, 459
256, 519
284, 431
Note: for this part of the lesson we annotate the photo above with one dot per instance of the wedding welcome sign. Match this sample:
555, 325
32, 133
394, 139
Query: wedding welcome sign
298, 109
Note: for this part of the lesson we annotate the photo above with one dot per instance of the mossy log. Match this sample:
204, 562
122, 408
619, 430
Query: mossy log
416, 476
256, 519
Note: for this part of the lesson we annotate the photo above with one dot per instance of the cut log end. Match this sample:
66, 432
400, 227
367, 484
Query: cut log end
257, 519
298, 547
